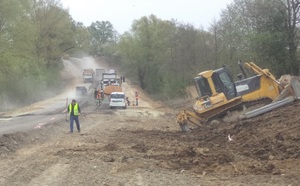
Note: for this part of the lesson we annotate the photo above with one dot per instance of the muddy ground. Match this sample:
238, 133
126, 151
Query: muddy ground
144, 146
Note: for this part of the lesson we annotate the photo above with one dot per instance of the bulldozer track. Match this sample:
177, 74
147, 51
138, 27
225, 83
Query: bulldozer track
222, 112
220, 115
248, 104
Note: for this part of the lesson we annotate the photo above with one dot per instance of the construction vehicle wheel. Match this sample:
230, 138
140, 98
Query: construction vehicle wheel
184, 128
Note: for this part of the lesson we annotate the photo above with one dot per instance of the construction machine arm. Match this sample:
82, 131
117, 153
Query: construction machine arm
257, 70
242, 69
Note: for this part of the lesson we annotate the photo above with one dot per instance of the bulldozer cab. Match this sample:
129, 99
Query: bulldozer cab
210, 83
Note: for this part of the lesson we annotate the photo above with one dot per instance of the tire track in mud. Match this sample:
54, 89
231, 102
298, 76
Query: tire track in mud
58, 171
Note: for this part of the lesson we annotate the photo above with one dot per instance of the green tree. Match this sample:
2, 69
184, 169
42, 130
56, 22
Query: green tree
143, 53
102, 33
290, 11
33, 37
252, 30
79, 43
56, 31
17, 60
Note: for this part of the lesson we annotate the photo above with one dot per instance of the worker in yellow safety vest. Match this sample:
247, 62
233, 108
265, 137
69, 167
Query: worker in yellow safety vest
74, 111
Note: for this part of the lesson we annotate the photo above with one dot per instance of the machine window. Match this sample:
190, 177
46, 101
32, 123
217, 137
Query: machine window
225, 78
203, 87
229, 85
116, 96
217, 83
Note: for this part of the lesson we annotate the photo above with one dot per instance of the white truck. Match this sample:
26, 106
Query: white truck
108, 78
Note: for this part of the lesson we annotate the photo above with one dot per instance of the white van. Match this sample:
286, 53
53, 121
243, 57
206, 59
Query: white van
117, 99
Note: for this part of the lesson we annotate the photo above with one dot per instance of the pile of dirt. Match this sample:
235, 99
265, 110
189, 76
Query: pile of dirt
12, 142
268, 144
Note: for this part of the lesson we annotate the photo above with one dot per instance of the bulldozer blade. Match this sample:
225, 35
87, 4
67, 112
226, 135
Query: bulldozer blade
288, 95
295, 82
292, 88
267, 108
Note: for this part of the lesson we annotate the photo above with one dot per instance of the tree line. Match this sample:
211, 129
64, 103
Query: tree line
162, 56
165, 55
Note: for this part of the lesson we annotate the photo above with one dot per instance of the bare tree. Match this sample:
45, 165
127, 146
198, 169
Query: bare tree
292, 20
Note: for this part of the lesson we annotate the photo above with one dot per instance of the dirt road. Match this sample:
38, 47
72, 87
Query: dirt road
143, 146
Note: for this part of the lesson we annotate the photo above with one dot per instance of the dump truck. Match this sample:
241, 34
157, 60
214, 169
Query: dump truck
218, 94
99, 72
88, 75
112, 88
109, 77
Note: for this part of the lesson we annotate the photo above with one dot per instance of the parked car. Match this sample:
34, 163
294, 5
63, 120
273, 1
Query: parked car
81, 91
117, 99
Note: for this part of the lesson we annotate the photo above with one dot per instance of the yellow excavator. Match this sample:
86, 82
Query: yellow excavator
218, 94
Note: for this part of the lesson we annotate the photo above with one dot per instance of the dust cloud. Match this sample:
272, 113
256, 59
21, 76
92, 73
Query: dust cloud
71, 76
73, 73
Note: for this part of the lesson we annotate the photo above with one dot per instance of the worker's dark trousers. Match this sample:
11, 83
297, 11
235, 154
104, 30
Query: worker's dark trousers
72, 119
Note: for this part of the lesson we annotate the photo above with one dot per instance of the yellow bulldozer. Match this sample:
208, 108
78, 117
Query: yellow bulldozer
218, 94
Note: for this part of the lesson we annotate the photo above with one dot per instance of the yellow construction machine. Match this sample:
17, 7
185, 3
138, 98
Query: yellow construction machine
218, 94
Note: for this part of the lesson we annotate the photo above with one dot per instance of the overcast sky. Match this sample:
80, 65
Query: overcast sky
121, 13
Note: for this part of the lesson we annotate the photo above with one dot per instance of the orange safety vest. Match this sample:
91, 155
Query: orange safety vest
98, 95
